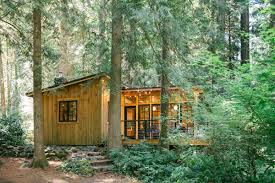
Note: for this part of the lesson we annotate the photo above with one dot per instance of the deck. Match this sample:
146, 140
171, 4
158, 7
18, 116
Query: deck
192, 142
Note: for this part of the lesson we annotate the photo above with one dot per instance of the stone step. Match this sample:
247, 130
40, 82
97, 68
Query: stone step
101, 162
99, 157
94, 153
104, 168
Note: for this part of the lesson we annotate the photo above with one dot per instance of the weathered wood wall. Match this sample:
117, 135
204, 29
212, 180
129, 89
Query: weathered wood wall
88, 129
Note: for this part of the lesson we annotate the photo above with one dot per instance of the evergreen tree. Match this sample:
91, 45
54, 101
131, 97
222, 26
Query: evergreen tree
39, 159
115, 81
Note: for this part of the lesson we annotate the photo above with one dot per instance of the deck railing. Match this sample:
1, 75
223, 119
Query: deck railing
145, 129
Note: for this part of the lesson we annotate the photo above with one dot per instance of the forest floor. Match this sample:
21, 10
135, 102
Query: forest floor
12, 171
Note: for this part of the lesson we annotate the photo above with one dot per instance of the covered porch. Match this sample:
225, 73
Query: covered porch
140, 114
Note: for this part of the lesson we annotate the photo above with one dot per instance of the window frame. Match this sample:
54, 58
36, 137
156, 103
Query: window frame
68, 101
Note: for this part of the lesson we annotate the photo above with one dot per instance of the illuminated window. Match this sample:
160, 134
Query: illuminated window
68, 111
130, 100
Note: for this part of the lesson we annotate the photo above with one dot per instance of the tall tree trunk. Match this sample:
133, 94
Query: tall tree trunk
115, 82
16, 89
39, 159
131, 54
2, 83
230, 50
102, 33
245, 35
65, 66
164, 106
9, 77
272, 15
221, 26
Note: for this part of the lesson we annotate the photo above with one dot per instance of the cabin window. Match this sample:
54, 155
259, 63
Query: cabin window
68, 111
130, 100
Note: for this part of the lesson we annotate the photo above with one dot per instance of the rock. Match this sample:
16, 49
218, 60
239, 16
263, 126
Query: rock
61, 155
99, 157
50, 155
25, 164
93, 153
74, 149
10, 147
4, 146
29, 155
67, 151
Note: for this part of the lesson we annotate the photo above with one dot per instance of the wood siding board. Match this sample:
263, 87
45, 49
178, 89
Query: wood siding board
49, 118
45, 121
54, 119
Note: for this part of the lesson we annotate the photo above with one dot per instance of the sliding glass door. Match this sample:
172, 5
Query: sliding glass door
144, 121
130, 122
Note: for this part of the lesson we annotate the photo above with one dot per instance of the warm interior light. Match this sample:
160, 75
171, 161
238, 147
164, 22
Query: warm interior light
175, 107
154, 108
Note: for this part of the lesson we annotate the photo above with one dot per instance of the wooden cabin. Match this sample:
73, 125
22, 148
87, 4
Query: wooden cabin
76, 112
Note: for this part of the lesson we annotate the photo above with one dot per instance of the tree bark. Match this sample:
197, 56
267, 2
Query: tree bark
16, 88
115, 82
65, 66
245, 35
2, 83
220, 40
39, 159
102, 33
164, 82
9, 77
272, 15
230, 50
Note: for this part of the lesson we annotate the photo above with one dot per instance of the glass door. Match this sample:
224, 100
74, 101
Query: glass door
144, 122
130, 122
155, 123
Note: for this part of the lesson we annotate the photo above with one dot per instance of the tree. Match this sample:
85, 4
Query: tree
272, 15
245, 35
2, 83
64, 66
102, 16
39, 159
115, 82
164, 80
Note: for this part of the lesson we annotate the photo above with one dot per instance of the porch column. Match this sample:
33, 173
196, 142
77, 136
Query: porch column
137, 115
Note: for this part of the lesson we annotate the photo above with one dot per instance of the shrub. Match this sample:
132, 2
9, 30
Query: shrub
11, 131
78, 166
185, 164
147, 162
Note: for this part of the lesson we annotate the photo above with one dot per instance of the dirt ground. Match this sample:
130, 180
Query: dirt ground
11, 171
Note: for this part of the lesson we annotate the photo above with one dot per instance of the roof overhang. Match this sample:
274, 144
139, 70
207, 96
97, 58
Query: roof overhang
72, 82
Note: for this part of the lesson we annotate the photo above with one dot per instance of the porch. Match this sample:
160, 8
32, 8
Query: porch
140, 114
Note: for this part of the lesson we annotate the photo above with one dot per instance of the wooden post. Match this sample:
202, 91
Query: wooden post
137, 115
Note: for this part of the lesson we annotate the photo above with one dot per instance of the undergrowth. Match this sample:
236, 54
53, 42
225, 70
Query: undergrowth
78, 166
11, 130
182, 165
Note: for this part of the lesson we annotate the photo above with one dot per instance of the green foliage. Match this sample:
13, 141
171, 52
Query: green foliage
147, 162
187, 164
11, 130
78, 166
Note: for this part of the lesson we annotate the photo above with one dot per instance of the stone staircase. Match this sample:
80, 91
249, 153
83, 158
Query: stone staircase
98, 160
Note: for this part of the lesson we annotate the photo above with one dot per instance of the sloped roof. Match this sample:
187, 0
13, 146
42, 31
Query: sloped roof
72, 82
